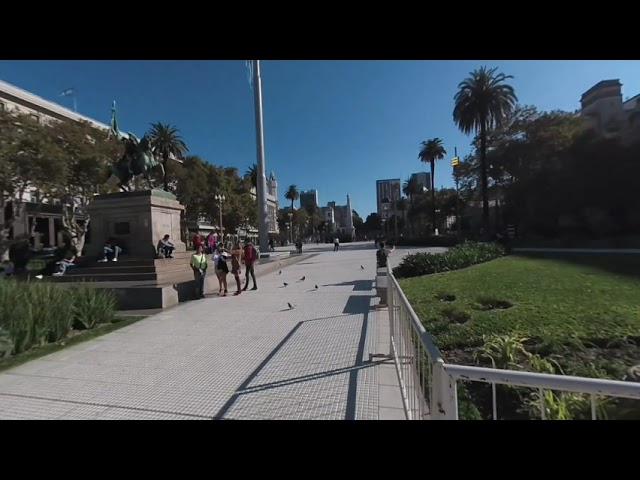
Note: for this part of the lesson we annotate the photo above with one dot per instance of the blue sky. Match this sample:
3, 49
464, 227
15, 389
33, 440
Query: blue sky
335, 125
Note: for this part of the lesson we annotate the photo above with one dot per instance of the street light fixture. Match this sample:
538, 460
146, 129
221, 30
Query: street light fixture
220, 199
290, 226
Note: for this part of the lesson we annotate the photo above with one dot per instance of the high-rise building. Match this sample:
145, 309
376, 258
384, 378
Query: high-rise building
423, 179
307, 198
387, 191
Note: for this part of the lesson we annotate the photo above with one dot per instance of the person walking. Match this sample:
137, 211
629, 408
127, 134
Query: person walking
199, 267
250, 256
220, 262
236, 260
336, 244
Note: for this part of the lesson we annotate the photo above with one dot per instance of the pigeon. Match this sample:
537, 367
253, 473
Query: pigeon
316, 287
280, 272
302, 279
361, 267
290, 306
285, 284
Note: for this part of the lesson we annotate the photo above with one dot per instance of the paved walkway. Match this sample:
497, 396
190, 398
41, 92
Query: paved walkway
246, 357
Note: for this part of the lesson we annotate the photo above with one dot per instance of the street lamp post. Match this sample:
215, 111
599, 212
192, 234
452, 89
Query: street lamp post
290, 227
220, 199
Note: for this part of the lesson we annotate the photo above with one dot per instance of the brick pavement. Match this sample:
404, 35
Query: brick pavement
246, 357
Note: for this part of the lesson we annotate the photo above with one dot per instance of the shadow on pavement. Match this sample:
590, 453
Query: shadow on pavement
356, 305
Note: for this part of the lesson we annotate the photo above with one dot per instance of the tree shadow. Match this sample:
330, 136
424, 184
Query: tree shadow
623, 264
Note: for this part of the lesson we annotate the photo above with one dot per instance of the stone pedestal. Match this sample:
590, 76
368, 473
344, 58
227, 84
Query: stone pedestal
138, 220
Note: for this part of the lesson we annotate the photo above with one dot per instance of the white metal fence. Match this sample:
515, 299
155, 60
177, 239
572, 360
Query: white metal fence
430, 386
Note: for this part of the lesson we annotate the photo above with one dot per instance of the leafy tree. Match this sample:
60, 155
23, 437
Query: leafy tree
292, 194
84, 154
252, 175
431, 151
28, 161
166, 143
483, 101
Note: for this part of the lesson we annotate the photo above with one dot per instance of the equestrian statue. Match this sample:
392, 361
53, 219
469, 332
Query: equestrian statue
138, 158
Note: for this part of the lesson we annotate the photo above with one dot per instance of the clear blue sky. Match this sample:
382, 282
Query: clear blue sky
336, 126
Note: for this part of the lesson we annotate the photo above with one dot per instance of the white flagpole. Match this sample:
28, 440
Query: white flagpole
263, 232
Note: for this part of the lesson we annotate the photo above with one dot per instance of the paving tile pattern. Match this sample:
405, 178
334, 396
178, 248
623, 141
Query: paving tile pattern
246, 357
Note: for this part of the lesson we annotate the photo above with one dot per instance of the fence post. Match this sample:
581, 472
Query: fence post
444, 395
391, 309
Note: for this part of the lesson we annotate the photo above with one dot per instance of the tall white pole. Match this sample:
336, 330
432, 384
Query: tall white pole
263, 224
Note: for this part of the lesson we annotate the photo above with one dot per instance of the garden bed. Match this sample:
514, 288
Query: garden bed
568, 314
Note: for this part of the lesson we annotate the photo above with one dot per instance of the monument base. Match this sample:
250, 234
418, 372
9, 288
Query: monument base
137, 220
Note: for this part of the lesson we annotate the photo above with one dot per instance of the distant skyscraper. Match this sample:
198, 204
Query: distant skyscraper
423, 179
387, 190
309, 197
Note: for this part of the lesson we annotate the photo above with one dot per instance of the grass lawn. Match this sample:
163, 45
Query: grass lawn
75, 337
550, 299
576, 314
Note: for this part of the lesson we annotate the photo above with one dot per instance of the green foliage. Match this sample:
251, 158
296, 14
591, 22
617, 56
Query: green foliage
34, 314
92, 307
456, 258
561, 299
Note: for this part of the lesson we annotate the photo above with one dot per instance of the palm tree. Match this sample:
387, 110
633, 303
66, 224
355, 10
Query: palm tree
431, 151
252, 174
166, 142
483, 101
292, 194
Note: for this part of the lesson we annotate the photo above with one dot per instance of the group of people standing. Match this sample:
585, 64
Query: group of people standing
220, 256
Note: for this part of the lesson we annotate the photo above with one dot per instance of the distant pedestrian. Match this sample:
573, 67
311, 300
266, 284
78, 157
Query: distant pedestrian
250, 257
336, 244
220, 262
199, 267
236, 260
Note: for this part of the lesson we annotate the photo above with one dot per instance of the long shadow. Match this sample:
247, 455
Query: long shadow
358, 285
624, 264
356, 304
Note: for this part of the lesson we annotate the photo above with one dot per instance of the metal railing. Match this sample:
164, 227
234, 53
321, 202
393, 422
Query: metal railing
429, 386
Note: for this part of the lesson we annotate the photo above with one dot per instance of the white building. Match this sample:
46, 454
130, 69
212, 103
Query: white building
46, 215
272, 203
608, 114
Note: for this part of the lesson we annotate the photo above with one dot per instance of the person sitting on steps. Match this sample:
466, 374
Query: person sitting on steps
165, 247
111, 250
67, 261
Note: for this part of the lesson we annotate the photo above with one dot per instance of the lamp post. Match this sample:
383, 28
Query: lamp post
220, 199
290, 226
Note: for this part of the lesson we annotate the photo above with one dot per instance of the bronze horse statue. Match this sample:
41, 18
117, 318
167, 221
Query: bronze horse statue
138, 158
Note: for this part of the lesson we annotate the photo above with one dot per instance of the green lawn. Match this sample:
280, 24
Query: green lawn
592, 297
75, 337
574, 314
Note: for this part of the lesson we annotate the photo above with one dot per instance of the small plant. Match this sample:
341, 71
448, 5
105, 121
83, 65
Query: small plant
92, 307
503, 351
455, 315
445, 297
492, 303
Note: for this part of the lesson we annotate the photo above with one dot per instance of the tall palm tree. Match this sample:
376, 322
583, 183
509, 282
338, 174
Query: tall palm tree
166, 142
292, 194
484, 100
410, 187
431, 151
252, 173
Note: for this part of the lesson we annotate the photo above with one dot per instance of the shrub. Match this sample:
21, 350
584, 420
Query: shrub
92, 307
435, 241
461, 256
33, 314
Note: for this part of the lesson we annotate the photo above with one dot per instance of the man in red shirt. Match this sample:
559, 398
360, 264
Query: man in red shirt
250, 256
